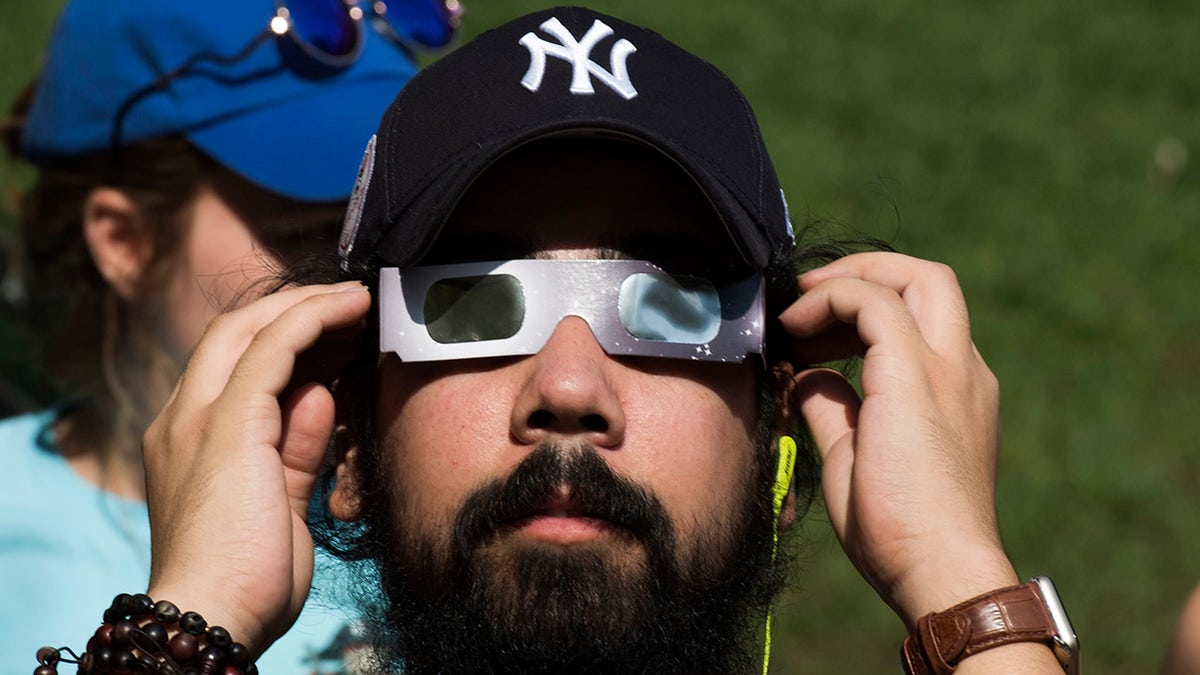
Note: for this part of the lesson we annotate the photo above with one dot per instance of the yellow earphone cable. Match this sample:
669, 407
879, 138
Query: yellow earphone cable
783, 483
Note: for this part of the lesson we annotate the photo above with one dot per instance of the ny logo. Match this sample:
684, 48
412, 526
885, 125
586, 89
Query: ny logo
577, 53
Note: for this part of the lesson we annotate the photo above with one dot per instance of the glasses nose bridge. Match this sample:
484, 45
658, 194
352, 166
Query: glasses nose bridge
588, 303
575, 337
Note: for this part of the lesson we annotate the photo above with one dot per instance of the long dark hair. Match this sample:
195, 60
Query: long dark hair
100, 355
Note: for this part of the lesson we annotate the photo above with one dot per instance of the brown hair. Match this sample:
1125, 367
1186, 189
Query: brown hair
102, 353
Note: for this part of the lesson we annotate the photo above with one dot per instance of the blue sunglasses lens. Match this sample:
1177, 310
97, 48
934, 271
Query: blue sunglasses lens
426, 22
325, 25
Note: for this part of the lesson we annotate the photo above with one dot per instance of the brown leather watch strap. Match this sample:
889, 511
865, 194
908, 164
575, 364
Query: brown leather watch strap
943, 639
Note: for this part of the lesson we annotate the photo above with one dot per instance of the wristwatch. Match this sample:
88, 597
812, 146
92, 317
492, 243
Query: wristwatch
1030, 612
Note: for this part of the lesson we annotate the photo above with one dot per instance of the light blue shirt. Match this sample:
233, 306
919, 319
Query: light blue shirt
67, 548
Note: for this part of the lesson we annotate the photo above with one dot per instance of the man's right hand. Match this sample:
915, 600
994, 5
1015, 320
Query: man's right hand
232, 459
909, 468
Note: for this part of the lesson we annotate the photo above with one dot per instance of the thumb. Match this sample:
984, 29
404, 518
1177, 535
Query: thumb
308, 417
830, 406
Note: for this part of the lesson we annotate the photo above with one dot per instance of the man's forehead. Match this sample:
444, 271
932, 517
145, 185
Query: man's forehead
586, 193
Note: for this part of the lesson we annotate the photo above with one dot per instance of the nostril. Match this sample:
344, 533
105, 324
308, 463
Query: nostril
541, 419
544, 420
594, 423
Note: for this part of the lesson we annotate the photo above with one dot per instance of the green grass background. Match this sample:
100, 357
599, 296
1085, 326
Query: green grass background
1028, 144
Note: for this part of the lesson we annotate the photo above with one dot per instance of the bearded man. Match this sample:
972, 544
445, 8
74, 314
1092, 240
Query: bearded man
566, 441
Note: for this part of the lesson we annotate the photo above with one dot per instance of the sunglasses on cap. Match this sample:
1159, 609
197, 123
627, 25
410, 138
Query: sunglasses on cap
329, 33
510, 308
318, 38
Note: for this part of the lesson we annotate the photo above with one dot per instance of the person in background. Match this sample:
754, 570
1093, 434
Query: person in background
185, 151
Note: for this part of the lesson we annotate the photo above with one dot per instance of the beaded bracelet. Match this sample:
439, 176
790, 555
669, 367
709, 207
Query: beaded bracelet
145, 637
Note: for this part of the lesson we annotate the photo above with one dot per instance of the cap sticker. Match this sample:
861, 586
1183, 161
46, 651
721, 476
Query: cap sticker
578, 54
787, 218
358, 196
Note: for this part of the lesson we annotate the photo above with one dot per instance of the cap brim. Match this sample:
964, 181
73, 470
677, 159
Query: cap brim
440, 195
307, 149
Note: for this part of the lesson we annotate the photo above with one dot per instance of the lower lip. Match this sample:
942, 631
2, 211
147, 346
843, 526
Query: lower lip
563, 530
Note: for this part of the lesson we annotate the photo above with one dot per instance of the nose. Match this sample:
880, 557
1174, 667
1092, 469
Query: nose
568, 391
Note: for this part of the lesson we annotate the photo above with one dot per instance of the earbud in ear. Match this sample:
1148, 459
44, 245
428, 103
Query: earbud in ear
783, 473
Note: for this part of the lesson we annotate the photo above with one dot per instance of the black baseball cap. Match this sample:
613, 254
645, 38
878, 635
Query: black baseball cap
559, 71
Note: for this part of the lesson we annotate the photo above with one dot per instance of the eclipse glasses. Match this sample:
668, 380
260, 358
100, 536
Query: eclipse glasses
510, 308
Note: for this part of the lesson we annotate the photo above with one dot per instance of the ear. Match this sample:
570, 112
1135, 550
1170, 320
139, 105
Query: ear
787, 515
344, 502
118, 238
784, 378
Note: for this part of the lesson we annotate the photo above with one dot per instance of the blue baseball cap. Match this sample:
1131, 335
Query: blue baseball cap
291, 133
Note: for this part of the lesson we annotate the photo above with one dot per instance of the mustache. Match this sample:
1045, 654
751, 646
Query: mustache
593, 488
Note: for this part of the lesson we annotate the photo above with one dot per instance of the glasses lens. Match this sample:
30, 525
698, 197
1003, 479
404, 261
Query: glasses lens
325, 25
471, 309
684, 310
426, 22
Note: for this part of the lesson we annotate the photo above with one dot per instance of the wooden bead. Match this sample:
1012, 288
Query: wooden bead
102, 637
193, 623
121, 602
166, 612
122, 633
183, 647
48, 656
215, 656
239, 655
113, 615
218, 637
102, 659
156, 633
140, 604
122, 662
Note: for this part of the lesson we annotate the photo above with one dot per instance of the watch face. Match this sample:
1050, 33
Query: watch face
1066, 643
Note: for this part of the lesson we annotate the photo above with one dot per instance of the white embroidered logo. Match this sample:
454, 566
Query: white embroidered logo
578, 53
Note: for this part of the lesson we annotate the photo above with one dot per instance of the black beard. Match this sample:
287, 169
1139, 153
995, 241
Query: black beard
457, 604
